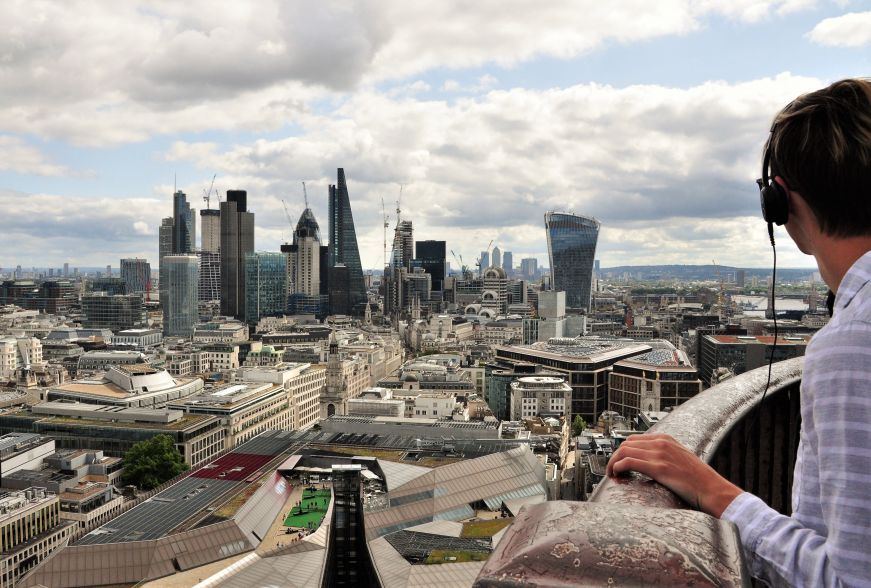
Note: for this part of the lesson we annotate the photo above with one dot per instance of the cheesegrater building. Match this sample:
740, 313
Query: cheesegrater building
343, 249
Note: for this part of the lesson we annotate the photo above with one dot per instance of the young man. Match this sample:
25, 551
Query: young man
819, 155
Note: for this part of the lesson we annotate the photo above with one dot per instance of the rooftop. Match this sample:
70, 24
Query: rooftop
764, 339
592, 349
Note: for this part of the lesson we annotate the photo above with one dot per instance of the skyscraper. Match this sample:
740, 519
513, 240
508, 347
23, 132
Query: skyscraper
184, 232
136, 274
304, 256
485, 260
343, 244
237, 239
178, 294
265, 285
508, 263
165, 239
306, 273
210, 276
431, 255
497, 257
571, 248
210, 221
403, 246
529, 268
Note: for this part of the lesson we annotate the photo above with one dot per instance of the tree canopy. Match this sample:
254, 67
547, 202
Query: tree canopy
578, 425
150, 463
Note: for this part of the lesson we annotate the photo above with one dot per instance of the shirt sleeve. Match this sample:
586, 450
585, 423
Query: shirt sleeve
831, 545
779, 549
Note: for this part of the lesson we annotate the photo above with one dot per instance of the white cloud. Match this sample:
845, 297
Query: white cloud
17, 156
104, 74
849, 30
142, 228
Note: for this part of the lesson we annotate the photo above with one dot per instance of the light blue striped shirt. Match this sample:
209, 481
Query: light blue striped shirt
827, 540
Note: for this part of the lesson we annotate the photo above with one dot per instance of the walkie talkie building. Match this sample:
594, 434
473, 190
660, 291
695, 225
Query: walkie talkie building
571, 247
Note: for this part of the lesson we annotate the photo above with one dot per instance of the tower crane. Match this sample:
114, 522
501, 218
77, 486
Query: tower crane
208, 194
287, 214
305, 195
398, 202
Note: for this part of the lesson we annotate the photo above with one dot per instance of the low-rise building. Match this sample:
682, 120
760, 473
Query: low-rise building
114, 312
92, 361
376, 402
220, 331
31, 529
245, 409
23, 451
303, 382
434, 405
655, 381
540, 396
138, 386
115, 429
138, 338
18, 352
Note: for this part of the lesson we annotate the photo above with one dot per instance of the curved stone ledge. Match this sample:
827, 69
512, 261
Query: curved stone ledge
581, 544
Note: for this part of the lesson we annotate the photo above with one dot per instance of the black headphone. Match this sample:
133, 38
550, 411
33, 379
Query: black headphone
772, 196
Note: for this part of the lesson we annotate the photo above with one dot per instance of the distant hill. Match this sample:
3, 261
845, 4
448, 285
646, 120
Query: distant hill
700, 272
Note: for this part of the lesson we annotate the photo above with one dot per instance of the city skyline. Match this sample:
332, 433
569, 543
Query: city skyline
650, 120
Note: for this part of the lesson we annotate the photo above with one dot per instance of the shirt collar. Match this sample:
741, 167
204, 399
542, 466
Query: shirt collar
854, 280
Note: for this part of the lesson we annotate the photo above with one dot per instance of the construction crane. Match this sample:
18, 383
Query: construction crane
481, 259
398, 202
305, 195
208, 194
386, 224
287, 214
459, 259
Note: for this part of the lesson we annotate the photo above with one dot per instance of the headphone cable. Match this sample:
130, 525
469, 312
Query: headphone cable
774, 345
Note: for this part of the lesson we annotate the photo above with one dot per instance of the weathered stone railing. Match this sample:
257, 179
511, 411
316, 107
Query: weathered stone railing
634, 531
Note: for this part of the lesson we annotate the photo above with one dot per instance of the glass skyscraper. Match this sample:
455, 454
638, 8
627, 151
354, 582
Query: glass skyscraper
571, 247
179, 281
184, 235
136, 274
343, 244
265, 285
237, 239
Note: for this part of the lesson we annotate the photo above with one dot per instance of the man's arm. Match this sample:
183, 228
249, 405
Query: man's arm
781, 549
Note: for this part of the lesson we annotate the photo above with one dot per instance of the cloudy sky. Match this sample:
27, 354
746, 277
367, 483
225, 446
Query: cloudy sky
649, 116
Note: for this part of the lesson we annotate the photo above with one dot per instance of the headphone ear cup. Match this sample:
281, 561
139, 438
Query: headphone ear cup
775, 203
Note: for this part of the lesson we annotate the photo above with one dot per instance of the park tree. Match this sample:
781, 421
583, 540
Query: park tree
578, 425
150, 463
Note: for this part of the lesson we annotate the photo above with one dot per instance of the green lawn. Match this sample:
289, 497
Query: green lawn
439, 556
312, 510
485, 528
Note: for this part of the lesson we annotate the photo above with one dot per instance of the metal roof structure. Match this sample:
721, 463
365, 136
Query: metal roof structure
161, 513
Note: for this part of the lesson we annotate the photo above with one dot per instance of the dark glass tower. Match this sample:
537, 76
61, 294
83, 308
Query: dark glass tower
432, 258
343, 244
184, 235
237, 239
571, 247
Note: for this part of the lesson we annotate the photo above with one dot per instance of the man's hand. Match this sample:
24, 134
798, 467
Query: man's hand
674, 466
